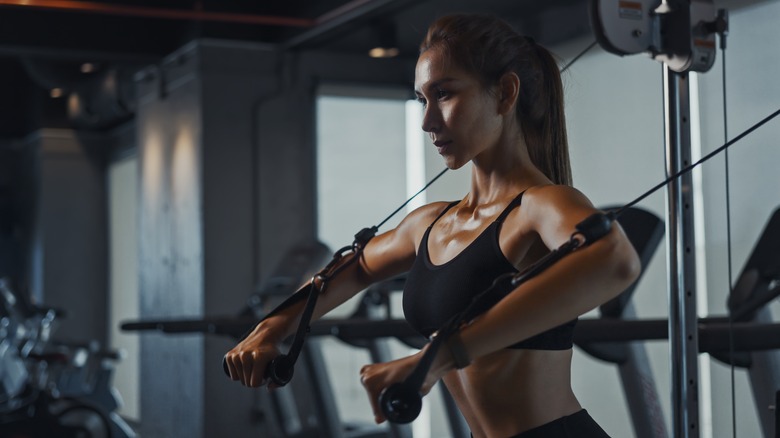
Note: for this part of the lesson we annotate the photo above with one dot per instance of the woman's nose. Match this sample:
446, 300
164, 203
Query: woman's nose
431, 119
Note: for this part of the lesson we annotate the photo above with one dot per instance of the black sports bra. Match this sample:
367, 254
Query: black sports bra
434, 293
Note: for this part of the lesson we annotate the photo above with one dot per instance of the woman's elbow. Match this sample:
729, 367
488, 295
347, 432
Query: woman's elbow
621, 262
625, 262
629, 267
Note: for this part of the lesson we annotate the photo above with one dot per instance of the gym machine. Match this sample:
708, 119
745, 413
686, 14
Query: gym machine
52, 389
645, 231
757, 285
306, 407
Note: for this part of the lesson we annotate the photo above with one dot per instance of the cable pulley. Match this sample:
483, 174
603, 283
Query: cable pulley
681, 34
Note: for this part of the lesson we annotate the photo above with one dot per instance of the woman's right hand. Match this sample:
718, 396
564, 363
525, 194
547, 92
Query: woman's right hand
248, 360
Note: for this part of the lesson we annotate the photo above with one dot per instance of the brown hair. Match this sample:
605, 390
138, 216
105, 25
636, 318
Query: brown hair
488, 47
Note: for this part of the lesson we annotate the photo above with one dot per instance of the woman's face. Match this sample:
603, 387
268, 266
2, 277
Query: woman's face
460, 115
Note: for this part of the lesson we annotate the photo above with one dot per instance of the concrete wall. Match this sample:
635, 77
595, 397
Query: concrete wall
194, 128
226, 141
69, 244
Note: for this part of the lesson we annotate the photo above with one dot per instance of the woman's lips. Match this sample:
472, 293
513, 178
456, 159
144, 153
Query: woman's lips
441, 146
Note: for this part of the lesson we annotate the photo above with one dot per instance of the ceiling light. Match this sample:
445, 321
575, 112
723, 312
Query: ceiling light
87, 67
383, 52
384, 39
56, 93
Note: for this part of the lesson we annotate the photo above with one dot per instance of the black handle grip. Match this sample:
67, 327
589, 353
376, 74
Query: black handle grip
225, 366
280, 370
400, 403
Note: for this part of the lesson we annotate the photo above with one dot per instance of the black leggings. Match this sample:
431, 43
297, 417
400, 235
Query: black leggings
577, 425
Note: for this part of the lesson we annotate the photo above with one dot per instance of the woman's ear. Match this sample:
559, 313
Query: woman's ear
508, 92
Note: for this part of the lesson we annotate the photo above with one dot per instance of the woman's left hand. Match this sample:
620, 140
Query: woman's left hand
377, 377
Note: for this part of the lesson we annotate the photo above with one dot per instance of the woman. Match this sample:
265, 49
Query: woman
494, 98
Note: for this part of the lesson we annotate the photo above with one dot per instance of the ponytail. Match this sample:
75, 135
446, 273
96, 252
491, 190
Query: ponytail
544, 123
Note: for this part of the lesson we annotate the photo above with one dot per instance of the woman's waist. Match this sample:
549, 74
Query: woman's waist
517, 377
522, 395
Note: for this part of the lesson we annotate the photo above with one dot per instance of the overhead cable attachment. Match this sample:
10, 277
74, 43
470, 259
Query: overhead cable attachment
679, 33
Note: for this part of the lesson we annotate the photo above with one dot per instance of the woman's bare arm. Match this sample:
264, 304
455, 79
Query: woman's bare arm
571, 287
387, 254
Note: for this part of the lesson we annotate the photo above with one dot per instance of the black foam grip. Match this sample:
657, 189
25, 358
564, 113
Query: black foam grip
225, 366
400, 403
280, 370
299, 295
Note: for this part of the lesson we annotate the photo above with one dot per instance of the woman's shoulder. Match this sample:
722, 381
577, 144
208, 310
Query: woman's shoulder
413, 226
420, 218
553, 211
426, 214
551, 206
555, 196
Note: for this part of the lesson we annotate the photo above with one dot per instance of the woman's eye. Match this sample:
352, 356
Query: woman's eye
422, 101
441, 94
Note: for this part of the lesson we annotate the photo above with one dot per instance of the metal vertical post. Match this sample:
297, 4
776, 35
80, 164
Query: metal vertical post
683, 332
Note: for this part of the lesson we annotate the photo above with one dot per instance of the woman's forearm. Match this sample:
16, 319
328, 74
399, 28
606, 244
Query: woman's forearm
573, 286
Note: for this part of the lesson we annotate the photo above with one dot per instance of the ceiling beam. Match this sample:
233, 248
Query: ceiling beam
159, 13
340, 19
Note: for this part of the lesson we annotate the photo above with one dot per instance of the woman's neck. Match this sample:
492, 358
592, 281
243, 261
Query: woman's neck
501, 172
